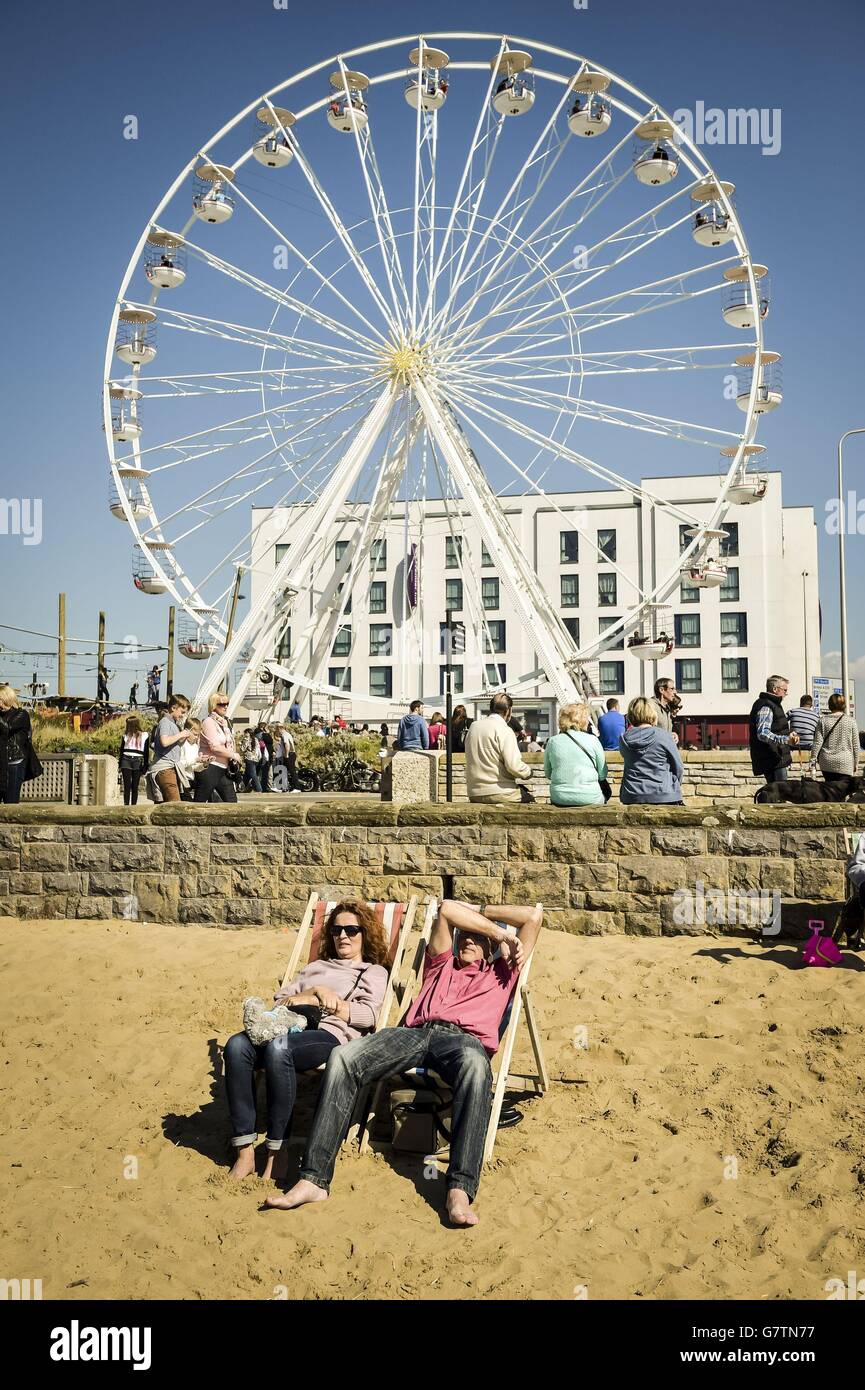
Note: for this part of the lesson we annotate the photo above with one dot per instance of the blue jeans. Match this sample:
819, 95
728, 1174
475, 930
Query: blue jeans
253, 781
14, 783
458, 1058
778, 774
280, 1060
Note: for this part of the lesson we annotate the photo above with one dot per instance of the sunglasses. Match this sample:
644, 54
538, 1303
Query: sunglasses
348, 931
222, 704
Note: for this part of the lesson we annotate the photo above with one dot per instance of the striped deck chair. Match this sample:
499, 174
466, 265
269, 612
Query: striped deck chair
520, 1003
397, 920
849, 923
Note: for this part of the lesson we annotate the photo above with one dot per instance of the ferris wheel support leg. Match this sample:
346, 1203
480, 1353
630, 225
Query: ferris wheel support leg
310, 537
539, 617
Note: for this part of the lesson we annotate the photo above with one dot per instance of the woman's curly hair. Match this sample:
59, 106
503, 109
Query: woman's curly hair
376, 946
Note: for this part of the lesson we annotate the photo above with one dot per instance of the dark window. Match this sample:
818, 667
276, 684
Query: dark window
453, 594
607, 544
728, 592
687, 629
734, 630
381, 681
729, 546
490, 593
381, 639
496, 635
378, 555
339, 549
453, 552
603, 624
573, 626
570, 591
688, 593
378, 596
280, 551
607, 591
283, 651
496, 673
611, 677
734, 673
689, 676
339, 589
340, 676
457, 687
341, 643
569, 547
684, 538
486, 558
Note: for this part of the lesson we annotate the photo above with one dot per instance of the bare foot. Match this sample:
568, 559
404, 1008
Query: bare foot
244, 1164
276, 1165
298, 1196
459, 1208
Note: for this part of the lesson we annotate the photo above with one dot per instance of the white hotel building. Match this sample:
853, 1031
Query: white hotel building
764, 619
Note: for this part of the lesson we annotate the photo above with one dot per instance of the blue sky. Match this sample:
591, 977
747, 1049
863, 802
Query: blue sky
81, 194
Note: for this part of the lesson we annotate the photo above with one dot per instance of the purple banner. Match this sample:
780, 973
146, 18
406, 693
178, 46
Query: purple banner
412, 576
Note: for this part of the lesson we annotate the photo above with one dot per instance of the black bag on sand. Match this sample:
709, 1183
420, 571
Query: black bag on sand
418, 1119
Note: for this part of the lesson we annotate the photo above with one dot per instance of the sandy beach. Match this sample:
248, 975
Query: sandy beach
708, 1142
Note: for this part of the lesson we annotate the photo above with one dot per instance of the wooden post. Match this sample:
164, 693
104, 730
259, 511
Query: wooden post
61, 646
100, 650
169, 671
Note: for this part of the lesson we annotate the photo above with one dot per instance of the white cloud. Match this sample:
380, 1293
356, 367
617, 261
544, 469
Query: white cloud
831, 662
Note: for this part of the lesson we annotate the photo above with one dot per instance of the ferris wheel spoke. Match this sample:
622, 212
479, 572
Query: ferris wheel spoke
239, 382
281, 298
479, 139
636, 361
560, 450
261, 338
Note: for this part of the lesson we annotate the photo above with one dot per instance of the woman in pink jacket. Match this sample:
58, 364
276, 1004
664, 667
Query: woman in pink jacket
346, 984
216, 748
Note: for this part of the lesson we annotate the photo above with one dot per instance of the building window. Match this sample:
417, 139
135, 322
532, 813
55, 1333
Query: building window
341, 643
496, 673
687, 629
496, 628
689, 676
381, 681
280, 552
339, 589
339, 676
734, 630
607, 591
457, 686
381, 639
490, 593
729, 546
688, 593
611, 677
728, 592
569, 547
283, 651
453, 552
453, 595
573, 626
603, 624
378, 555
378, 596
339, 549
734, 673
486, 558
570, 591
684, 538
607, 545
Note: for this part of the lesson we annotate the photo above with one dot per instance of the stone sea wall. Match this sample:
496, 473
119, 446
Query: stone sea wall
610, 869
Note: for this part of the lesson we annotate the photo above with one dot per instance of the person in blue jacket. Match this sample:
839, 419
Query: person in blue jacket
653, 771
611, 725
412, 733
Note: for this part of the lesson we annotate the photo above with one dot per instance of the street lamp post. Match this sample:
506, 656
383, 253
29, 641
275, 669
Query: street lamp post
805, 575
842, 526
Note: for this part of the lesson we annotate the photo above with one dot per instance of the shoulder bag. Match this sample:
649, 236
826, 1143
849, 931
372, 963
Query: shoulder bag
606, 789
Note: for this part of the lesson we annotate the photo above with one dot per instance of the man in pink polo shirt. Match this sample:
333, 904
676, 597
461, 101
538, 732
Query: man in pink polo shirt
452, 1028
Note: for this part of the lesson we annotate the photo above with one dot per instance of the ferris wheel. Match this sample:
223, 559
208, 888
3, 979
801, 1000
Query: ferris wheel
469, 268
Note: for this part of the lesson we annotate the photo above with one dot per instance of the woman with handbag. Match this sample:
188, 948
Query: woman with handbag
339, 994
835, 749
18, 760
216, 749
574, 762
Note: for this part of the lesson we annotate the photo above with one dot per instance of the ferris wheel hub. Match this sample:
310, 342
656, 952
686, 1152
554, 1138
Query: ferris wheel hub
407, 361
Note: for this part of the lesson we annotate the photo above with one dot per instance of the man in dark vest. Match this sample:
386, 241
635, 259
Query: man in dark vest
770, 739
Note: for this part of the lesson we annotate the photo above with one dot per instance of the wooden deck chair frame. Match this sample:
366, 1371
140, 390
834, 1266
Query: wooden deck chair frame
502, 1075
301, 951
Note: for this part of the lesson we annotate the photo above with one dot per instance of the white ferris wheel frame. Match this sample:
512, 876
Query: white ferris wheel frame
559, 658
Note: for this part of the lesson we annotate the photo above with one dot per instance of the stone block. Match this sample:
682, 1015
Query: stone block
531, 883
229, 854
246, 913
10, 859
587, 923
88, 856
738, 841
211, 910
44, 856
826, 844
820, 881
410, 777
20, 882
474, 889
572, 846
682, 841
651, 874
305, 846
41, 833
351, 854
746, 874
778, 874
599, 876
526, 844
713, 870
148, 858
63, 883
93, 908
186, 848
10, 836
109, 884
157, 897
615, 843
405, 859
255, 881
